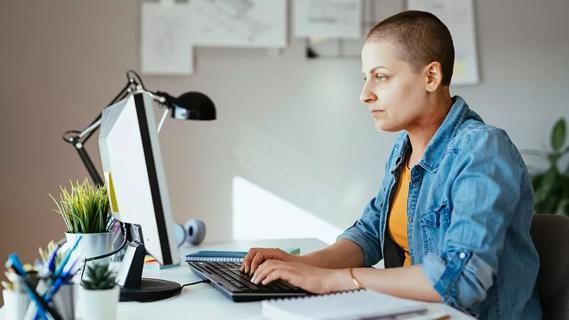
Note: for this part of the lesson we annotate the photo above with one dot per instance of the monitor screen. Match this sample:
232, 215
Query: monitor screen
134, 173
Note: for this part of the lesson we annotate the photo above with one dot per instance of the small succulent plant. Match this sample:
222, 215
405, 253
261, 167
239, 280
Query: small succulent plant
99, 277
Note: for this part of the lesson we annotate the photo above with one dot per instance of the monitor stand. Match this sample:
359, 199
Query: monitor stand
136, 288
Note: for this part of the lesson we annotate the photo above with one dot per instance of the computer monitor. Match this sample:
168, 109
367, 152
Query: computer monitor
134, 174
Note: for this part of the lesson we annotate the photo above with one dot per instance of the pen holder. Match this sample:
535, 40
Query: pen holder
64, 301
15, 304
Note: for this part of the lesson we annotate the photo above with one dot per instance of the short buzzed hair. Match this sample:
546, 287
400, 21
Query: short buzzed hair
420, 37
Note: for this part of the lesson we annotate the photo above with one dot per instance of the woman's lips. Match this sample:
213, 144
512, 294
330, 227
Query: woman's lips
376, 112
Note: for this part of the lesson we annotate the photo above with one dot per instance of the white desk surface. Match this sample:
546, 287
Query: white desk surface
202, 301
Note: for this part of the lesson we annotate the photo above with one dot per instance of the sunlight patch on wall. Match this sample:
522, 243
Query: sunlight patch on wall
259, 214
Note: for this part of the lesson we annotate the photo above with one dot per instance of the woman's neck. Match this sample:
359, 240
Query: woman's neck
423, 131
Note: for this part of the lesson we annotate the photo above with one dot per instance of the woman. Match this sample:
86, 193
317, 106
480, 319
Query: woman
451, 220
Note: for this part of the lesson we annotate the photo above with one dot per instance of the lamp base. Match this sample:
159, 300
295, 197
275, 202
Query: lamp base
151, 290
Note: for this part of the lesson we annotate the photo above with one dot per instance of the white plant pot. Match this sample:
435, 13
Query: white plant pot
97, 304
15, 304
91, 245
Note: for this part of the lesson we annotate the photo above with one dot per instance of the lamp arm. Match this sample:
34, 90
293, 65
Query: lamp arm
78, 138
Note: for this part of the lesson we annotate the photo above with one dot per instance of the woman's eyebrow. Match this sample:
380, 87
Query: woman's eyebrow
375, 68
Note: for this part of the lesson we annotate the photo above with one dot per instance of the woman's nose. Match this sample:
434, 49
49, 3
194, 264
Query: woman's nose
367, 96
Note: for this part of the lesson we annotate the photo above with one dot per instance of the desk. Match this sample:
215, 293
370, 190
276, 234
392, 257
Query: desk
202, 301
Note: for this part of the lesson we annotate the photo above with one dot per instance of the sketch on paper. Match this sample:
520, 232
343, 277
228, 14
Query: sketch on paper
238, 23
336, 19
165, 42
458, 15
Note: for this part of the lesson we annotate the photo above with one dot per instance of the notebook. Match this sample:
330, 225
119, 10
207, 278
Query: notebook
225, 256
216, 256
360, 304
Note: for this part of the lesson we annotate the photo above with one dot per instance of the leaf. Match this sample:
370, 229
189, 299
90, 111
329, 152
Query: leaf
558, 134
85, 208
99, 276
545, 189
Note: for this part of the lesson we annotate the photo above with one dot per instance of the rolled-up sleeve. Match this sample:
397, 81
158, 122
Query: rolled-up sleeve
365, 233
485, 196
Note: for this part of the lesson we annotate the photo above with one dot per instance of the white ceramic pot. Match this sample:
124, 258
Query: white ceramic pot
91, 245
97, 304
15, 304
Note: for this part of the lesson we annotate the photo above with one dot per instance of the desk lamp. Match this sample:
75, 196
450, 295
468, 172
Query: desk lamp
188, 106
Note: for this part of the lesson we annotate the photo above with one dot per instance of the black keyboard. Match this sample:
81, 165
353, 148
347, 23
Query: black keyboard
237, 285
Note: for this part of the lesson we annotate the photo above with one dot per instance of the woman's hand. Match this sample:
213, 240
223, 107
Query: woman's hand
256, 256
309, 278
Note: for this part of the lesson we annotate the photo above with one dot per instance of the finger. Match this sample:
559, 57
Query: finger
263, 270
247, 259
272, 276
257, 260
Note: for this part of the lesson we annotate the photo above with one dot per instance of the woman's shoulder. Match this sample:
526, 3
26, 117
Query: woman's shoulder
476, 138
474, 131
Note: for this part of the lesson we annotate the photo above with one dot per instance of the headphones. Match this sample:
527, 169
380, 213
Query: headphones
192, 231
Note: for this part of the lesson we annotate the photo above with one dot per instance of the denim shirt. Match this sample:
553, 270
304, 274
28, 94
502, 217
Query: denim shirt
469, 211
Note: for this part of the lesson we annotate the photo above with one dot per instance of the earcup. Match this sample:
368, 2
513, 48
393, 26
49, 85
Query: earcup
195, 231
181, 234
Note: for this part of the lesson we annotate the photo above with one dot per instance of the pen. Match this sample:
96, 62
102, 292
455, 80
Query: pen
16, 264
67, 256
52, 258
61, 280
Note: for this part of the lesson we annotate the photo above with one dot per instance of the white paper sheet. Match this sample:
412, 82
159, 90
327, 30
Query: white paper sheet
238, 23
336, 19
458, 16
165, 39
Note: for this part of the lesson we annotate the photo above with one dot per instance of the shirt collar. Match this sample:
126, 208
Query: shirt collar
439, 142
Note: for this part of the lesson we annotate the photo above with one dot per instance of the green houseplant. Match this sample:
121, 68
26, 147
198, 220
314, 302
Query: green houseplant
99, 294
86, 211
551, 186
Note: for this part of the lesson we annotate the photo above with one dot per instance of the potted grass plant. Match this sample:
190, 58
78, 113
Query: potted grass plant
86, 212
98, 295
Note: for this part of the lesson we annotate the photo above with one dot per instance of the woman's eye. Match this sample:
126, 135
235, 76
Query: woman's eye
380, 77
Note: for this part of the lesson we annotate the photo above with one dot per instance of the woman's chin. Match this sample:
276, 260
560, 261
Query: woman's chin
383, 126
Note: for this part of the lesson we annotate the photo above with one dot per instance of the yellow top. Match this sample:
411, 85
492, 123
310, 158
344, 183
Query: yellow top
397, 221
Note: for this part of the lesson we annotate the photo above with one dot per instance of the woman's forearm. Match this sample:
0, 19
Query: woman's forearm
342, 254
409, 282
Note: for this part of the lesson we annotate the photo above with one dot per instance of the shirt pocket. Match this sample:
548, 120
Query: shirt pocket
434, 225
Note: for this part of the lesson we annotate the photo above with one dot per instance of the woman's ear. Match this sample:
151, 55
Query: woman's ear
433, 76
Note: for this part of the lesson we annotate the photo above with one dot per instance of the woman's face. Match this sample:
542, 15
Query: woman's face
393, 91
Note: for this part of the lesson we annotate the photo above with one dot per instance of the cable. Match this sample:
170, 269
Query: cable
197, 282
123, 244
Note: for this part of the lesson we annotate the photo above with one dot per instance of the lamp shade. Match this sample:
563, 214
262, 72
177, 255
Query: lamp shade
190, 106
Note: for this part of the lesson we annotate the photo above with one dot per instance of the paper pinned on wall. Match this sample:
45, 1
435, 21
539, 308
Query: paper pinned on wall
458, 16
238, 23
165, 39
337, 19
